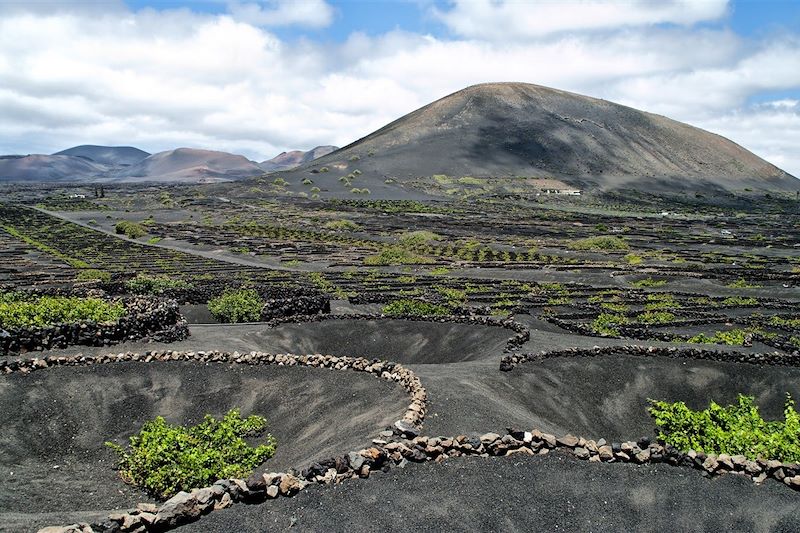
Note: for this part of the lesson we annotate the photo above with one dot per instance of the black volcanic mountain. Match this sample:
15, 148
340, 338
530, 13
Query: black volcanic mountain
113, 156
289, 160
37, 168
518, 129
190, 165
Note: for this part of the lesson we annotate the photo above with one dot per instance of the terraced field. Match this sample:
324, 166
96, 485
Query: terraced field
496, 328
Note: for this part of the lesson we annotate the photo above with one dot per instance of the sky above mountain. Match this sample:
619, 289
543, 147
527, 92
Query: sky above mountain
259, 78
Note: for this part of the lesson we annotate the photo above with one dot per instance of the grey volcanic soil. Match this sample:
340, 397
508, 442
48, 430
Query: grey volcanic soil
592, 397
56, 420
550, 493
402, 341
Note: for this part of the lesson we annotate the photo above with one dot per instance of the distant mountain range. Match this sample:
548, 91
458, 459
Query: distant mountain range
295, 158
129, 164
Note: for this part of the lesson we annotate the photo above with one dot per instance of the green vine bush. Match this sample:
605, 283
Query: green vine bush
415, 307
233, 306
395, 255
600, 243
150, 285
735, 429
132, 230
164, 459
19, 311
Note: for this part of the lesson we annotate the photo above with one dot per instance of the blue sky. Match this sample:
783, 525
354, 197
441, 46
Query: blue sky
260, 77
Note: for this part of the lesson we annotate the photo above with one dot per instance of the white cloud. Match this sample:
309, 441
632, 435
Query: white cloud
309, 13
510, 19
770, 130
162, 79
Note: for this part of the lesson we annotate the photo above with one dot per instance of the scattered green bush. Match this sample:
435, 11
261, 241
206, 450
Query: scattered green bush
633, 259
152, 285
786, 322
733, 337
655, 317
742, 283
342, 225
600, 243
233, 306
414, 307
412, 238
165, 459
132, 230
649, 282
18, 310
453, 296
734, 429
739, 300
91, 274
396, 255
607, 323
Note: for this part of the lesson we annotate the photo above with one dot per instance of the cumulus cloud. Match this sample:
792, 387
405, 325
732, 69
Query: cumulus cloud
309, 13
162, 79
509, 19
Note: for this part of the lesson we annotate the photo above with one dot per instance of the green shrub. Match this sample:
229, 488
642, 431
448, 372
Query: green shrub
736, 301
395, 255
342, 225
18, 310
165, 459
601, 243
633, 259
91, 274
655, 317
151, 285
414, 307
453, 296
649, 282
660, 300
733, 337
734, 429
244, 305
742, 283
412, 238
606, 323
132, 230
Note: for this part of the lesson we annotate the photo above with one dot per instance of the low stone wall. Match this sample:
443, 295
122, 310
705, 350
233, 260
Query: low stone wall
185, 507
400, 450
145, 319
297, 305
522, 333
647, 332
774, 358
202, 291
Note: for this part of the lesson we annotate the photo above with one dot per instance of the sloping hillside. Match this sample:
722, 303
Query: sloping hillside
517, 129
